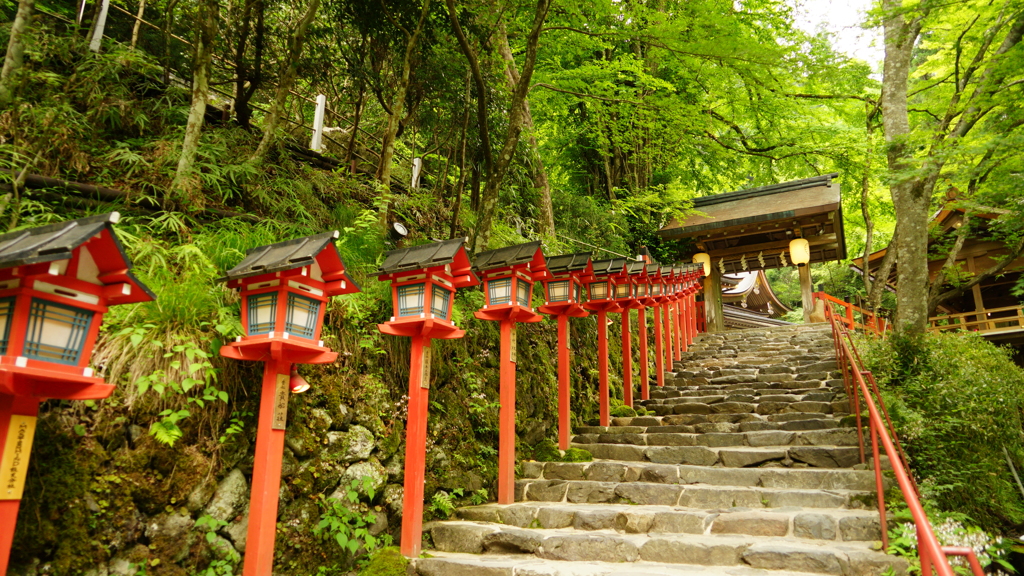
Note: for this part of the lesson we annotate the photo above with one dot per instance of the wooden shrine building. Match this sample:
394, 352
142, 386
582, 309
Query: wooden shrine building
988, 308
748, 301
759, 229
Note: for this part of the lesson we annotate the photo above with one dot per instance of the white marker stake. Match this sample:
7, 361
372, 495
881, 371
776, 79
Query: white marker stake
318, 123
101, 22
417, 167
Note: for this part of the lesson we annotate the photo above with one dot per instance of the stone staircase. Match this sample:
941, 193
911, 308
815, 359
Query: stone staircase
747, 467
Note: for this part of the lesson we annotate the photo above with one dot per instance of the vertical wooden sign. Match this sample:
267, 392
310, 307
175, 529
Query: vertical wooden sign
513, 352
281, 403
14, 466
425, 373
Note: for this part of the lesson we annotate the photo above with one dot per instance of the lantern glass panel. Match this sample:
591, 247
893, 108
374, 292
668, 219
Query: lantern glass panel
598, 290
656, 290
524, 290
622, 290
262, 312
6, 312
56, 332
558, 291
440, 302
578, 288
641, 290
302, 316
499, 291
410, 299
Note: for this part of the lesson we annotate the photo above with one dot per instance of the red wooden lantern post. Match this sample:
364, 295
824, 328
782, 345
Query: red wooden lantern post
423, 283
668, 296
56, 282
284, 289
678, 309
563, 293
601, 299
626, 297
655, 296
508, 275
644, 299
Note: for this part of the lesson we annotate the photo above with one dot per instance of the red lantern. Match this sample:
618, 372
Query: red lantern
284, 290
56, 282
601, 288
423, 283
508, 275
563, 289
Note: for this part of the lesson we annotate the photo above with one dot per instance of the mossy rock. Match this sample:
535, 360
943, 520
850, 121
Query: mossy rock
388, 562
546, 451
577, 455
622, 411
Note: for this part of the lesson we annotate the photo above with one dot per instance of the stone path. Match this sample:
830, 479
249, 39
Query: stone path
746, 468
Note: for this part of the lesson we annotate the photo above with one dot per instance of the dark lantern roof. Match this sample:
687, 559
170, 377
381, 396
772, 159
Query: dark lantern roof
53, 241
565, 263
609, 267
422, 256
507, 256
58, 241
635, 267
281, 256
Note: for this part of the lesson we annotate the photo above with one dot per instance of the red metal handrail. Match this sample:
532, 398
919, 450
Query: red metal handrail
931, 553
870, 322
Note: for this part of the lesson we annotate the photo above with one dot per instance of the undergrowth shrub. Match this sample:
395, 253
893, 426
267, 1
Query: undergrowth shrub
956, 402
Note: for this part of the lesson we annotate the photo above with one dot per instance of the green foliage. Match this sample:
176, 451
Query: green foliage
955, 400
442, 504
346, 524
622, 411
546, 451
225, 565
386, 562
577, 455
951, 529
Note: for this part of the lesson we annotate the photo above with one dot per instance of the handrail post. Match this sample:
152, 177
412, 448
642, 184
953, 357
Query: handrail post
879, 486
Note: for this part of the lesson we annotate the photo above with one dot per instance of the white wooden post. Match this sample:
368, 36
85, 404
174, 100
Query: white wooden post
101, 21
318, 123
417, 167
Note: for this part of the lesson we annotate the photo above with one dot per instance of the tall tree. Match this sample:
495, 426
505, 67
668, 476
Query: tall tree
184, 186
285, 82
516, 123
15, 57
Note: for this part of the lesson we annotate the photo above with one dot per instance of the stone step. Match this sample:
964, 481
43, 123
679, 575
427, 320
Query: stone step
729, 456
686, 495
613, 471
765, 408
566, 545
704, 389
456, 564
701, 423
808, 523
816, 394
827, 437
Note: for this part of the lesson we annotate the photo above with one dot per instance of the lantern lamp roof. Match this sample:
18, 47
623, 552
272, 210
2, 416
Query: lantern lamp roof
568, 263
528, 254
634, 267
296, 253
611, 267
59, 241
431, 255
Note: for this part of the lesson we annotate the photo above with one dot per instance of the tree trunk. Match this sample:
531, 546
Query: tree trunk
489, 196
546, 219
168, 20
138, 23
909, 195
246, 84
387, 152
183, 187
15, 52
285, 83
462, 166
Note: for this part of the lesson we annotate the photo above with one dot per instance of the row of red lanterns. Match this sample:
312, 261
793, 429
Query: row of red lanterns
57, 281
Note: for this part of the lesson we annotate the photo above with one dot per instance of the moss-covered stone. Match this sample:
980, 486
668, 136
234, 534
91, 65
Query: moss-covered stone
622, 411
577, 455
546, 451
